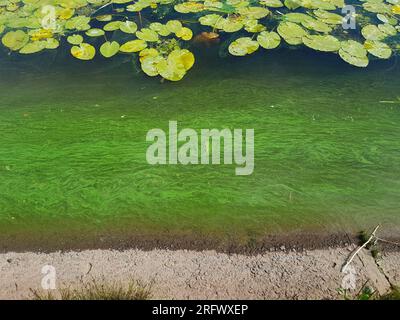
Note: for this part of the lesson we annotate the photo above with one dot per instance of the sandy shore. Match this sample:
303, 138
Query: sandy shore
183, 274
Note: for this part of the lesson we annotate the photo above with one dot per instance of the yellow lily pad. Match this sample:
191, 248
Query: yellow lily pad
133, 46
243, 46
185, 34
84, 51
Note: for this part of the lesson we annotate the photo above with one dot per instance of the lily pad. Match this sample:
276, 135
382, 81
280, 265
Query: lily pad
361, 62
272, 3
133, 46
84, 51
185, 34
243, 46
128, 27
95, 32
33, 47
109, 49
378, 49
269, 40
147, 34
291, 32
326, 43
387, 29
372, 32
15, 40
75, 39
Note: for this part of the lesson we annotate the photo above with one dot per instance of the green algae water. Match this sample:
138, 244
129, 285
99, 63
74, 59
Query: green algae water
73, 150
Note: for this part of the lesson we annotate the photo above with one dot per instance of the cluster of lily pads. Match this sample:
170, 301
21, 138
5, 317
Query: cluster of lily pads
161, 44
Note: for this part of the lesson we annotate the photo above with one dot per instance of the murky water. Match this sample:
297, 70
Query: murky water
327, 149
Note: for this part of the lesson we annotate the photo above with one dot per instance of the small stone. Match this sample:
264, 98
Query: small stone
283, 248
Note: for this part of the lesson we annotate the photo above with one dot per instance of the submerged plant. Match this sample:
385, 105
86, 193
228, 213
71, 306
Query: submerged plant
143, 30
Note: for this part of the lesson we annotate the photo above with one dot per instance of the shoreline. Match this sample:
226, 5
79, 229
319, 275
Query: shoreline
186, 274
294, 241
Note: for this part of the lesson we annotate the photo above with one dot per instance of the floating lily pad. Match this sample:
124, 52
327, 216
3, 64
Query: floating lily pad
174, 26
112, 26
328, 17
15, 40
243, 46
361, 62
33, 47
272, 3
325, 43
80, 23
269, 40
387, 29
372, 32
376, 7
185, 34
95, 32
378, 49
84, 51
253, 12
190, 6
149, 65
316, 25
147, 34
109, 49
210, 19
133, 46
75, 39
128, 27
291, 32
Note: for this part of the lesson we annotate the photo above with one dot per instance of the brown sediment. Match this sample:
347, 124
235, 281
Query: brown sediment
146, 240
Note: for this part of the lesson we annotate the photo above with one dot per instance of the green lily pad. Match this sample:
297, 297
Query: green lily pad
80, 23
269, 40
84, 51
326, 43
174, 26
95, 32
353, 48
112, 26
387, 29
316, 25
291, 32
147, 34
232, 24
33, 47
297, 17
376, 7
210, 19
15, 40
361, 62
272, 3
328, 17
133, 46
128, 27
243, 46
378, 49
109, 49
253, 12
372, 32
75, 39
